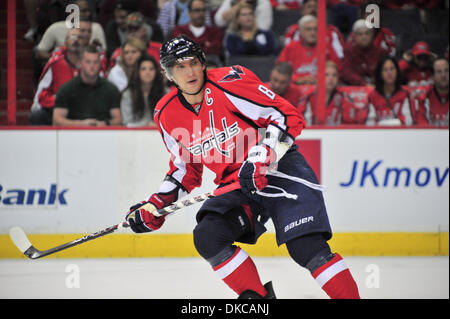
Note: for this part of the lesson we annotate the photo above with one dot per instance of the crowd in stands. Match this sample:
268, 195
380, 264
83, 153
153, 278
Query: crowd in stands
105, 71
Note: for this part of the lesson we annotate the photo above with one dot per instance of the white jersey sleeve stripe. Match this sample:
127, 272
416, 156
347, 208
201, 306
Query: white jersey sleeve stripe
255, 111
174, 149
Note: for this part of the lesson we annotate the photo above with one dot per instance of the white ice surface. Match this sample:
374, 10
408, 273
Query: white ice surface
180, 278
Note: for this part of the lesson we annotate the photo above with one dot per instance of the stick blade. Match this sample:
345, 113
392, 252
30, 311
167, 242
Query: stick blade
20, 239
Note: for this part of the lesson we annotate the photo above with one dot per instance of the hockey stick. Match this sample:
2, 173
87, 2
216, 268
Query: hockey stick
22, 242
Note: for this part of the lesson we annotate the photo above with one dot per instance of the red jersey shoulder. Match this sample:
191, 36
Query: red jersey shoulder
233, 74
164, 101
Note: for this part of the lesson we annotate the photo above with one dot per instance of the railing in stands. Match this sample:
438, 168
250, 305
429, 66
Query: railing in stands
11, 59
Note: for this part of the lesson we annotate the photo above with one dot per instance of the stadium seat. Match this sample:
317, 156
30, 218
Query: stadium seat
402, 22
438, 43
282, 19
260, 65
437, 21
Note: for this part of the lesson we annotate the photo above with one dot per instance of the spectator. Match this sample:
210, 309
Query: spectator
343, 13
147, 8
31, 7
172, 13
116, 28
416, 65
60, 69
131, 51
41, 14
383, 38
433, 106
339, 108
245, 38
84, 38
410, 4
138, 28
389, 103
87, 99
281, 83
208, 37
302, 54
360, 56
263, 13
145, 89
286, 4
334, 38
54, 36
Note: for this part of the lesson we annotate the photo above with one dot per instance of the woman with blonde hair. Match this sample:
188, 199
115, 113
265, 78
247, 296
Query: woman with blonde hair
339, 107
244, 37
132, 50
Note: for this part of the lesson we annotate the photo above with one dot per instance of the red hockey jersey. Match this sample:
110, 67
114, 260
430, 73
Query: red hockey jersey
415, 76
58, 71
218, 132
304, 59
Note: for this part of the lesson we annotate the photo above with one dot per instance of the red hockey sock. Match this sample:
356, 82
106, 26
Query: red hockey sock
336, 280
240, 273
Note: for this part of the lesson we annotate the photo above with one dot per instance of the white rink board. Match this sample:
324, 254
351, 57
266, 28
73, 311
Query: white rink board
84, 180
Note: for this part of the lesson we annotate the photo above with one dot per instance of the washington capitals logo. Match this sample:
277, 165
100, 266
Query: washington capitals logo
216, 138
233, 75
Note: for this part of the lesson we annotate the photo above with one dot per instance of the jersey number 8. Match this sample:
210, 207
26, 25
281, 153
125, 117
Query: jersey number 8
266, 91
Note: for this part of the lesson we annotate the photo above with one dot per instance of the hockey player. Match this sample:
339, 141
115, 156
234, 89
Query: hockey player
215, 119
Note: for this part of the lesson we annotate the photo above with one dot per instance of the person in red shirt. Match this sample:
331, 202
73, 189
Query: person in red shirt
228, 121
137, 28
383, 38
433, 106
343, 13
302, 54
281, 83
360, 57
389, 103
61, 68
409, 4
334, 38
416, 65
210, 38
339, 108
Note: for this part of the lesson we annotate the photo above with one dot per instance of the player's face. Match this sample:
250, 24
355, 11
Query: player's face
188, 75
